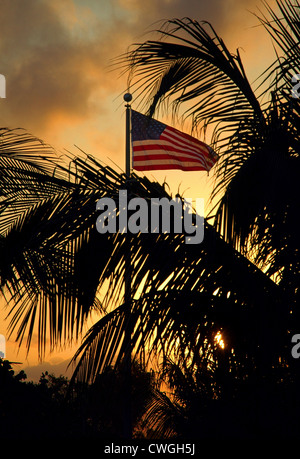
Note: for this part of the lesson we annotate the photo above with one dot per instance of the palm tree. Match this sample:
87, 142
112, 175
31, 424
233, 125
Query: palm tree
258, 144
54, 262
241, 281
258, 141
36, 264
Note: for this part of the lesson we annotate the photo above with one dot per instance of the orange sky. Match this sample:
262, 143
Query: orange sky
55, 57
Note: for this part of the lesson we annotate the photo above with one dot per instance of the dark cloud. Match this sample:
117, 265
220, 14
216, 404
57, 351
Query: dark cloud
54, 54
49, 69
222, 14
201, 10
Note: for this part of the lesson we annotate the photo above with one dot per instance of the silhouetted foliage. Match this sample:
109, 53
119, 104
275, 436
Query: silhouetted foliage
52, 408
36, 411
218, 405
242, 281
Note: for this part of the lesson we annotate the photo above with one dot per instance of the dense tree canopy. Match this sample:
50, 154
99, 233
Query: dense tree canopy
241, 283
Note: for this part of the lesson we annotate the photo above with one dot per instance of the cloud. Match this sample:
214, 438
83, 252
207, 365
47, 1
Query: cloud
55, 54
224, 15
48, 71
34, 372
160, 10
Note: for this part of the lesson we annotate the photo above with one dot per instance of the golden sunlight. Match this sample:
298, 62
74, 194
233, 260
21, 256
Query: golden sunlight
219, 340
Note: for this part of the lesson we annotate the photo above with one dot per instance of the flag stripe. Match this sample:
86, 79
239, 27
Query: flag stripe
168, 149
156, 155
152, 151
167, 166
184, 138
157, 146
183, 143
159, 155
169, 146
185, 146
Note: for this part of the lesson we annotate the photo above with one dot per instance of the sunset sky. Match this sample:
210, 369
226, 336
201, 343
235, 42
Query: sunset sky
56, 56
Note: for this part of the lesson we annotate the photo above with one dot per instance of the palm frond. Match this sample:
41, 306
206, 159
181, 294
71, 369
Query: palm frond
53, 261
192, 295
256, 213
194, 67
19, 145
284, 29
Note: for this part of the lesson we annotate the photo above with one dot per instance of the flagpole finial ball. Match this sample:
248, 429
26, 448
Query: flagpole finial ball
127, 97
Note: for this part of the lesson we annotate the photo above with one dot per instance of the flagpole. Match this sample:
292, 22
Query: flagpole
127, 286
128, 98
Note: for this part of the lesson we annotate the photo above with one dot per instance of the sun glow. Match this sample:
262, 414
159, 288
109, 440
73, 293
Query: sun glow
219, 340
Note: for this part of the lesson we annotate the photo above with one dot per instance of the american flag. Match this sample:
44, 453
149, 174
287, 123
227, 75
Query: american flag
157, 146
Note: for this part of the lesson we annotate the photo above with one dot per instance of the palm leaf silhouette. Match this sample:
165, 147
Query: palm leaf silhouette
57, 270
